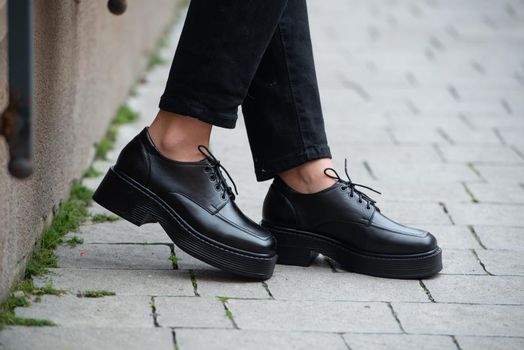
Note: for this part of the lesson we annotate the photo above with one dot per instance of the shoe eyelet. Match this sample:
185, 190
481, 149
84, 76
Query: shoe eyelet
217, 187
351, 195
207, 169
212, 178
223, 196
360, 200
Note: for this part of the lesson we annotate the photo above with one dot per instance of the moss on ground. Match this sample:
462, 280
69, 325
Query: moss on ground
95, 293
71, 213
73, 241
101, 217
19, 297
123, 116
174, 261
69, 216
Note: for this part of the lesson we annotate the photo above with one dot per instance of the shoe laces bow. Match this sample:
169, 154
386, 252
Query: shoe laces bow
215, 167
348, 184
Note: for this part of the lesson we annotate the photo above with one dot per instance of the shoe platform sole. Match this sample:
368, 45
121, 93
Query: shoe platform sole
130, 200
300, 248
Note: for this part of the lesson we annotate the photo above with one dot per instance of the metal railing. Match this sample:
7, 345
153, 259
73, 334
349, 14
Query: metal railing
16, 123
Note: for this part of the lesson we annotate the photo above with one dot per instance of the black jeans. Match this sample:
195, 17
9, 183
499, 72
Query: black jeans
256, 54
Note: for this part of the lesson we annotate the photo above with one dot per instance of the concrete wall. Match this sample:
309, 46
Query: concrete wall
86, 61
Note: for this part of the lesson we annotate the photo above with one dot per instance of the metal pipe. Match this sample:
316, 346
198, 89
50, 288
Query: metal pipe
16, 122
117, 7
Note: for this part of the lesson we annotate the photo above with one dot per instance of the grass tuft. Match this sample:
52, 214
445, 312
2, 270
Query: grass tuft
74, 241
174, 261
123, 116
155, 60
95, 294
18, 298
102, 217
92, 172
69, 216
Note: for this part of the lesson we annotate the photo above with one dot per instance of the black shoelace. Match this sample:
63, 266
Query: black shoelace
348, 184
216, 174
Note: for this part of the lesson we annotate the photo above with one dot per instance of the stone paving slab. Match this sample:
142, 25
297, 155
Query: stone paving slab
425, 213
461, 262
432, 192
502, 262
219, 339
121, 231
115, 256
51, 338
191, 312
502, 173
486, 214
217, 283
111, 312
497, 237
477, 289
480, 154
299, 283
434, 172
122, 282
461, 319
488, 193
490, 343
187, 262
324, 316
453, 237
398, 342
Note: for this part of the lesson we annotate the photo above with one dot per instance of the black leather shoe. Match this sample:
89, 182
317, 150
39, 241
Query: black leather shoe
192, 202
344, 224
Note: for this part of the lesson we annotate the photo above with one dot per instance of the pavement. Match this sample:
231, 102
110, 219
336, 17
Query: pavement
426, 100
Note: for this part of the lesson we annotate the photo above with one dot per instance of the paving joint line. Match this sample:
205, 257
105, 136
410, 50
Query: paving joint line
175, 342
426, 290
466, 121
480, 262
344, 341
445, 210
193, 278
266, 288
153, 312
476, 236
229, 314
445, 136
469, 192
497, 133
455, 341
395, 316
369, 170
439, 153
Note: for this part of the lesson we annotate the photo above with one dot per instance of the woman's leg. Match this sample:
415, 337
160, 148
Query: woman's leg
309, 208
218, 53
282, 109
166, 174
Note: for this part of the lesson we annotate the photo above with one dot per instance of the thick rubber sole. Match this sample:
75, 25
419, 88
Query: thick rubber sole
300, 248
130, 200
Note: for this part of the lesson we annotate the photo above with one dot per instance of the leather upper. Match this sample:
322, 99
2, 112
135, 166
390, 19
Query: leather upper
348, 219
193, 190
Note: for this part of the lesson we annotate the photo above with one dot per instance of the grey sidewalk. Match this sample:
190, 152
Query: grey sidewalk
426, 99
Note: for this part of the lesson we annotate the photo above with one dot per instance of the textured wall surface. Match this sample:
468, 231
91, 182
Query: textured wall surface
86, 61
3, 54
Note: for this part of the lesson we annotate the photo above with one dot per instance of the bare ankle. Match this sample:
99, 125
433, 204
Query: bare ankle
309, 177
177, 136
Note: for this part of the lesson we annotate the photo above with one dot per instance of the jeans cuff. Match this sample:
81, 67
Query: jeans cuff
191, 108
268, 170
